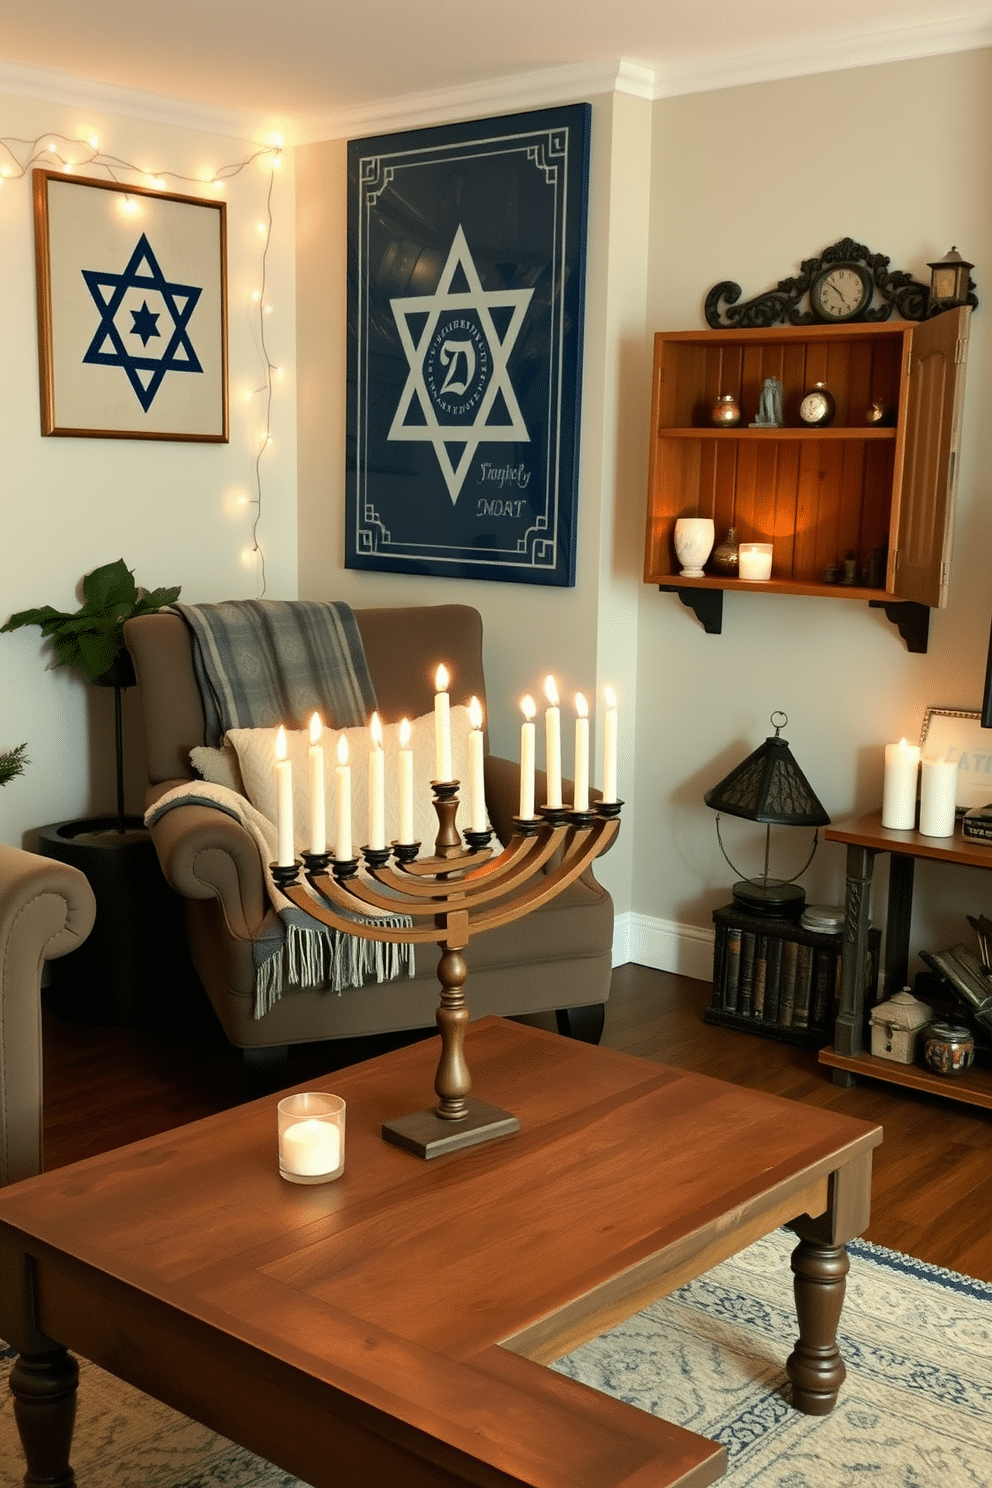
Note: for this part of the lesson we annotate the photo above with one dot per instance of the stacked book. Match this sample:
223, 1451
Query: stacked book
777, 978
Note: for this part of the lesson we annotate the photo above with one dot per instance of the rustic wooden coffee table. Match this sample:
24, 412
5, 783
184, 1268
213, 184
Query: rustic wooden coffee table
389, 1328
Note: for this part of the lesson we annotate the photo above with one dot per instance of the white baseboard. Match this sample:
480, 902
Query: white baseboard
663, 945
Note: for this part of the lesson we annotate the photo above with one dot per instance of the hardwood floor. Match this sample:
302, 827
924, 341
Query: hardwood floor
932, 1195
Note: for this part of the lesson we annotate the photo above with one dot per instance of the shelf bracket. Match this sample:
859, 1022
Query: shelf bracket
912, 620
706, 604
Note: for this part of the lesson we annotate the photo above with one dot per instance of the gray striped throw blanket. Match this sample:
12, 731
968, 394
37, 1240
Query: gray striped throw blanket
260, 663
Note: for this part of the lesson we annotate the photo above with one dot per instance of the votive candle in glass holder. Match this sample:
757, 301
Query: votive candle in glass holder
754, 562
311, 1137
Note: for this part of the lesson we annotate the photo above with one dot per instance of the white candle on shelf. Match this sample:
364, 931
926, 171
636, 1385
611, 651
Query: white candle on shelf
938, 797
610, 746
311, 1148
342, 845
405, 785
476, 770
552, 740
527, 760
442, 726
286, 853
902, 766
377, 786
754, 562
318, 823
580, 800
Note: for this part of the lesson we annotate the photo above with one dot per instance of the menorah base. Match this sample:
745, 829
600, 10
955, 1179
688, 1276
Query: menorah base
429, 1135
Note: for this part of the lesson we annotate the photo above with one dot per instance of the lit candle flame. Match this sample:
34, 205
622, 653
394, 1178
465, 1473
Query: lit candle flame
551, 692
441, 678
475, 713
581, 706
281, 743
405, 734
342, 750
315, 729
610, 696
528, 707
375, 727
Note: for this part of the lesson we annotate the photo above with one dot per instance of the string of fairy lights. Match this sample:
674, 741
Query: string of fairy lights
82, 153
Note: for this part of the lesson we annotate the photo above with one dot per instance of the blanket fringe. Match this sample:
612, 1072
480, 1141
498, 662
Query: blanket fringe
330, 960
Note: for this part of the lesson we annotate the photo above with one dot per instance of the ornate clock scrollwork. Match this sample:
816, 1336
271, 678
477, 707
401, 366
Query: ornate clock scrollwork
894, 290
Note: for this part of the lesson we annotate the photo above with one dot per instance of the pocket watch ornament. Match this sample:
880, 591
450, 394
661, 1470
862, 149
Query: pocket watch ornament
817, 407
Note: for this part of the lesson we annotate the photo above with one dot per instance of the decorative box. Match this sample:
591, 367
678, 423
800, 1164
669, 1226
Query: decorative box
895, 1027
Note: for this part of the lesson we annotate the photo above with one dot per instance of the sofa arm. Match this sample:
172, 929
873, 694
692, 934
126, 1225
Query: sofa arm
47, 909
206, 854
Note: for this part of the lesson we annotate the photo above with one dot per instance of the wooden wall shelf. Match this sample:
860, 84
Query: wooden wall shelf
816, 494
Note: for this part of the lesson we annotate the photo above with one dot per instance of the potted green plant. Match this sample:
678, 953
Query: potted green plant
109, 977
12, 763
92, 638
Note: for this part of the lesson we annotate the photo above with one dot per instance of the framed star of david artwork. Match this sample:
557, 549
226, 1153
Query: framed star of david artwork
132, 311
466, 259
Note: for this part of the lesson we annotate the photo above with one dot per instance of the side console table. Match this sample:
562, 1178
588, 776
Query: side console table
865, 838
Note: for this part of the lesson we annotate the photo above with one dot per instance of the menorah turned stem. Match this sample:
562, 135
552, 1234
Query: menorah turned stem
448, 897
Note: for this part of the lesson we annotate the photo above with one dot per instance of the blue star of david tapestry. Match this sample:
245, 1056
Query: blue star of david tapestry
466, 257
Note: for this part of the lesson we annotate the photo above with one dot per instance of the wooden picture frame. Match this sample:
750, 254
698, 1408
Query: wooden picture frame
951, 733
466, 264
132, 311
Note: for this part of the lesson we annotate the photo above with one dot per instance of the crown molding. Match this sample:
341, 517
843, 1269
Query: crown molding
829, 54
108, 98
478, 100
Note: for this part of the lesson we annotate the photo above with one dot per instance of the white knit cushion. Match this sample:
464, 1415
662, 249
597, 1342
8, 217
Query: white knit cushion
256, 755
219, 766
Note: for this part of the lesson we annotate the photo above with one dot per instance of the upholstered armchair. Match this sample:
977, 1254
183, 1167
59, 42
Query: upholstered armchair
46, 910
558, 958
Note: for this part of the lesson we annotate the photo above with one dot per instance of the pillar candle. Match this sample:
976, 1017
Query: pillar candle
442, 726
938, 797
552, 739
902, 765
476, 770
286, 853
318, 820
311, 1148
405, 784
580, 800
527, 760
342, 845
610, 746
377, 786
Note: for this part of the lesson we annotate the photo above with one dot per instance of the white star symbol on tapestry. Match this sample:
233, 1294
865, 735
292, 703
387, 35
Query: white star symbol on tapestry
455, 444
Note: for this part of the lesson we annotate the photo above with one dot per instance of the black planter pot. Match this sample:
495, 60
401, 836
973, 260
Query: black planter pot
138, 930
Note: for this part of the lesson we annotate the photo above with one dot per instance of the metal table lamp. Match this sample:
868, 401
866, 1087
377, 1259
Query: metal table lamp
769, 787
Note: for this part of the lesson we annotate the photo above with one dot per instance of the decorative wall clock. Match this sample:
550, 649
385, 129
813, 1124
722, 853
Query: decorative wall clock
847, 283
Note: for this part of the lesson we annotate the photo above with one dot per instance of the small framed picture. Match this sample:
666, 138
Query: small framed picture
951, 734
132, 311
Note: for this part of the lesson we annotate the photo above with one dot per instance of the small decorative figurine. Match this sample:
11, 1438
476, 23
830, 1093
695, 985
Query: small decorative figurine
769, 415
725, 557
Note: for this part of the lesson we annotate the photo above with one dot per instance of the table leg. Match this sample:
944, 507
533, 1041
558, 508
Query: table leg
43, 1385
815, 1367
848, 1030
897, 922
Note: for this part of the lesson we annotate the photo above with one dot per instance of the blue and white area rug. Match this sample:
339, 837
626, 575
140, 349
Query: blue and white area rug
914, 1412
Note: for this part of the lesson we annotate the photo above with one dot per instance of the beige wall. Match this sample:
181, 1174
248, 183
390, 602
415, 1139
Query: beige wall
585, 635
740, 183
68, 505
746, 183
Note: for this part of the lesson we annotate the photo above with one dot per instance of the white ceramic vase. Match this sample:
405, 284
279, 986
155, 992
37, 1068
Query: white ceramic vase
693, 544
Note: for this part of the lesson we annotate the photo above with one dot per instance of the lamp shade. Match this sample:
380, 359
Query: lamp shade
769, 787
